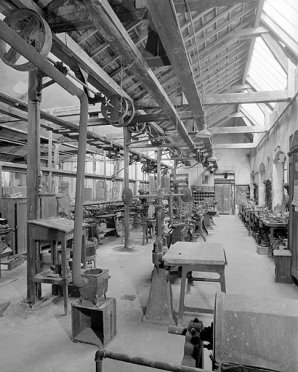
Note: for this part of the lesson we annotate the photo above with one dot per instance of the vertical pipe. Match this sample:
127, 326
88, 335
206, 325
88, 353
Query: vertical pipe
78, 280
50, 161
158, 247
105, 175
126, 135
1, 184
158, 161
175, 170
33, 173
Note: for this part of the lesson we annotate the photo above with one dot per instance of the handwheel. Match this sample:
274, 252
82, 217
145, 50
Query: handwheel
34, 30
114, 109
137, 129
113, 194
118, 111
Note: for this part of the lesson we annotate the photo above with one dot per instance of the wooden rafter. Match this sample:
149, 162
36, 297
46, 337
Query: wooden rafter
167, 26
239, 130
194, 5
238, 98
112, 30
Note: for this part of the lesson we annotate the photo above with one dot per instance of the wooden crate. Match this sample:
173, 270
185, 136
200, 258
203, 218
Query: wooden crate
282, 260
262, 250
11, 262
94, 325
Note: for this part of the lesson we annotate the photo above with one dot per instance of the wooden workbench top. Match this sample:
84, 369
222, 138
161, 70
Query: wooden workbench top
60, 224
195, 253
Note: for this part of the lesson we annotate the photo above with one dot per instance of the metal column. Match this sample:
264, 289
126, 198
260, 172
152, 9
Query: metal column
126, 135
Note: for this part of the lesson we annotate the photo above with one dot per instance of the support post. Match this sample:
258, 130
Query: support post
50, 161
33, 172
1, 191
127, 139
174, 170
159, 307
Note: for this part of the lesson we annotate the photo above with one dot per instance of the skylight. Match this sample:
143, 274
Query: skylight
265, 72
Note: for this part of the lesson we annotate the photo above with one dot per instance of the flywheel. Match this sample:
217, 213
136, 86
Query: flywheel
118, 111
34, 30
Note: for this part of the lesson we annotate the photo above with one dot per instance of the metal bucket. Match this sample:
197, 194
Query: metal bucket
97, 285
260, 332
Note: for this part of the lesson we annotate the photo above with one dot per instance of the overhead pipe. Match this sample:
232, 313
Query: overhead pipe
20, 45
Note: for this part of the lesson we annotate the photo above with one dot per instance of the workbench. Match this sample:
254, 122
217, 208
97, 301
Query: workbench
196, 256
51, 231
272, 227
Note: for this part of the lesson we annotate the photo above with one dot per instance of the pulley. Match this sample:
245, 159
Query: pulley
138, 128
185, 195
34, 30
118, 111
127, 196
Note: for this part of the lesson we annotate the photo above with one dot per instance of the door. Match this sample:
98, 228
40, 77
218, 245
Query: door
224, 196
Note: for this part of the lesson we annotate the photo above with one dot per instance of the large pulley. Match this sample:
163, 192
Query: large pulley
118, 111
34, 30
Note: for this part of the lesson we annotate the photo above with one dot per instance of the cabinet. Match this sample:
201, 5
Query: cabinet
203, 194
15, 211
181, 180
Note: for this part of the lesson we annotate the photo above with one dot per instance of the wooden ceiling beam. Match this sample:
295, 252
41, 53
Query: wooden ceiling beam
238, 98
276, 50
68, 51
238, 130
183, 6
93, 122
245, 145
167, 26
114, 33
248, 33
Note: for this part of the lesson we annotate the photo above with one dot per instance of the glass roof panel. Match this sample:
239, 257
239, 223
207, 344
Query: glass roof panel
253, 113
285, 14
264, 65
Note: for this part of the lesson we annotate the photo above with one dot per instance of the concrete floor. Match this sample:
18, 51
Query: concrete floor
39, 339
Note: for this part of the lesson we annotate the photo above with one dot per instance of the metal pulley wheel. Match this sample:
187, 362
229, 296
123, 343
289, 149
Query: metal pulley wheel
118, 111
34, 30
113, 194
137, 129
127, 196
185, 195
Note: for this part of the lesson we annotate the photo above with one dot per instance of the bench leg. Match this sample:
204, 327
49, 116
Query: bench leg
182, 295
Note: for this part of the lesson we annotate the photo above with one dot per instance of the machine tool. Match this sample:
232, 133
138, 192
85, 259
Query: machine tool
248, 334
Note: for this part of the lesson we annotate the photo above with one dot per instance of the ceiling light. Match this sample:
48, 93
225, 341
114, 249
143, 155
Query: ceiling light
204, 133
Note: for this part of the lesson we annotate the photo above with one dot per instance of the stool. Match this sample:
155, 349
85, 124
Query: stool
198, 226
213, 268
147, 224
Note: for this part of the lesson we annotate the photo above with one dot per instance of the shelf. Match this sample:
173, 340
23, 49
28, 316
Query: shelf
47, 277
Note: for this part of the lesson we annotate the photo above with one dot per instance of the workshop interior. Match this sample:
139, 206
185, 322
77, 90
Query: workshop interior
149, 185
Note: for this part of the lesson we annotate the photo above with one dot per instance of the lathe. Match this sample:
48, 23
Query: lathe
248, 334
